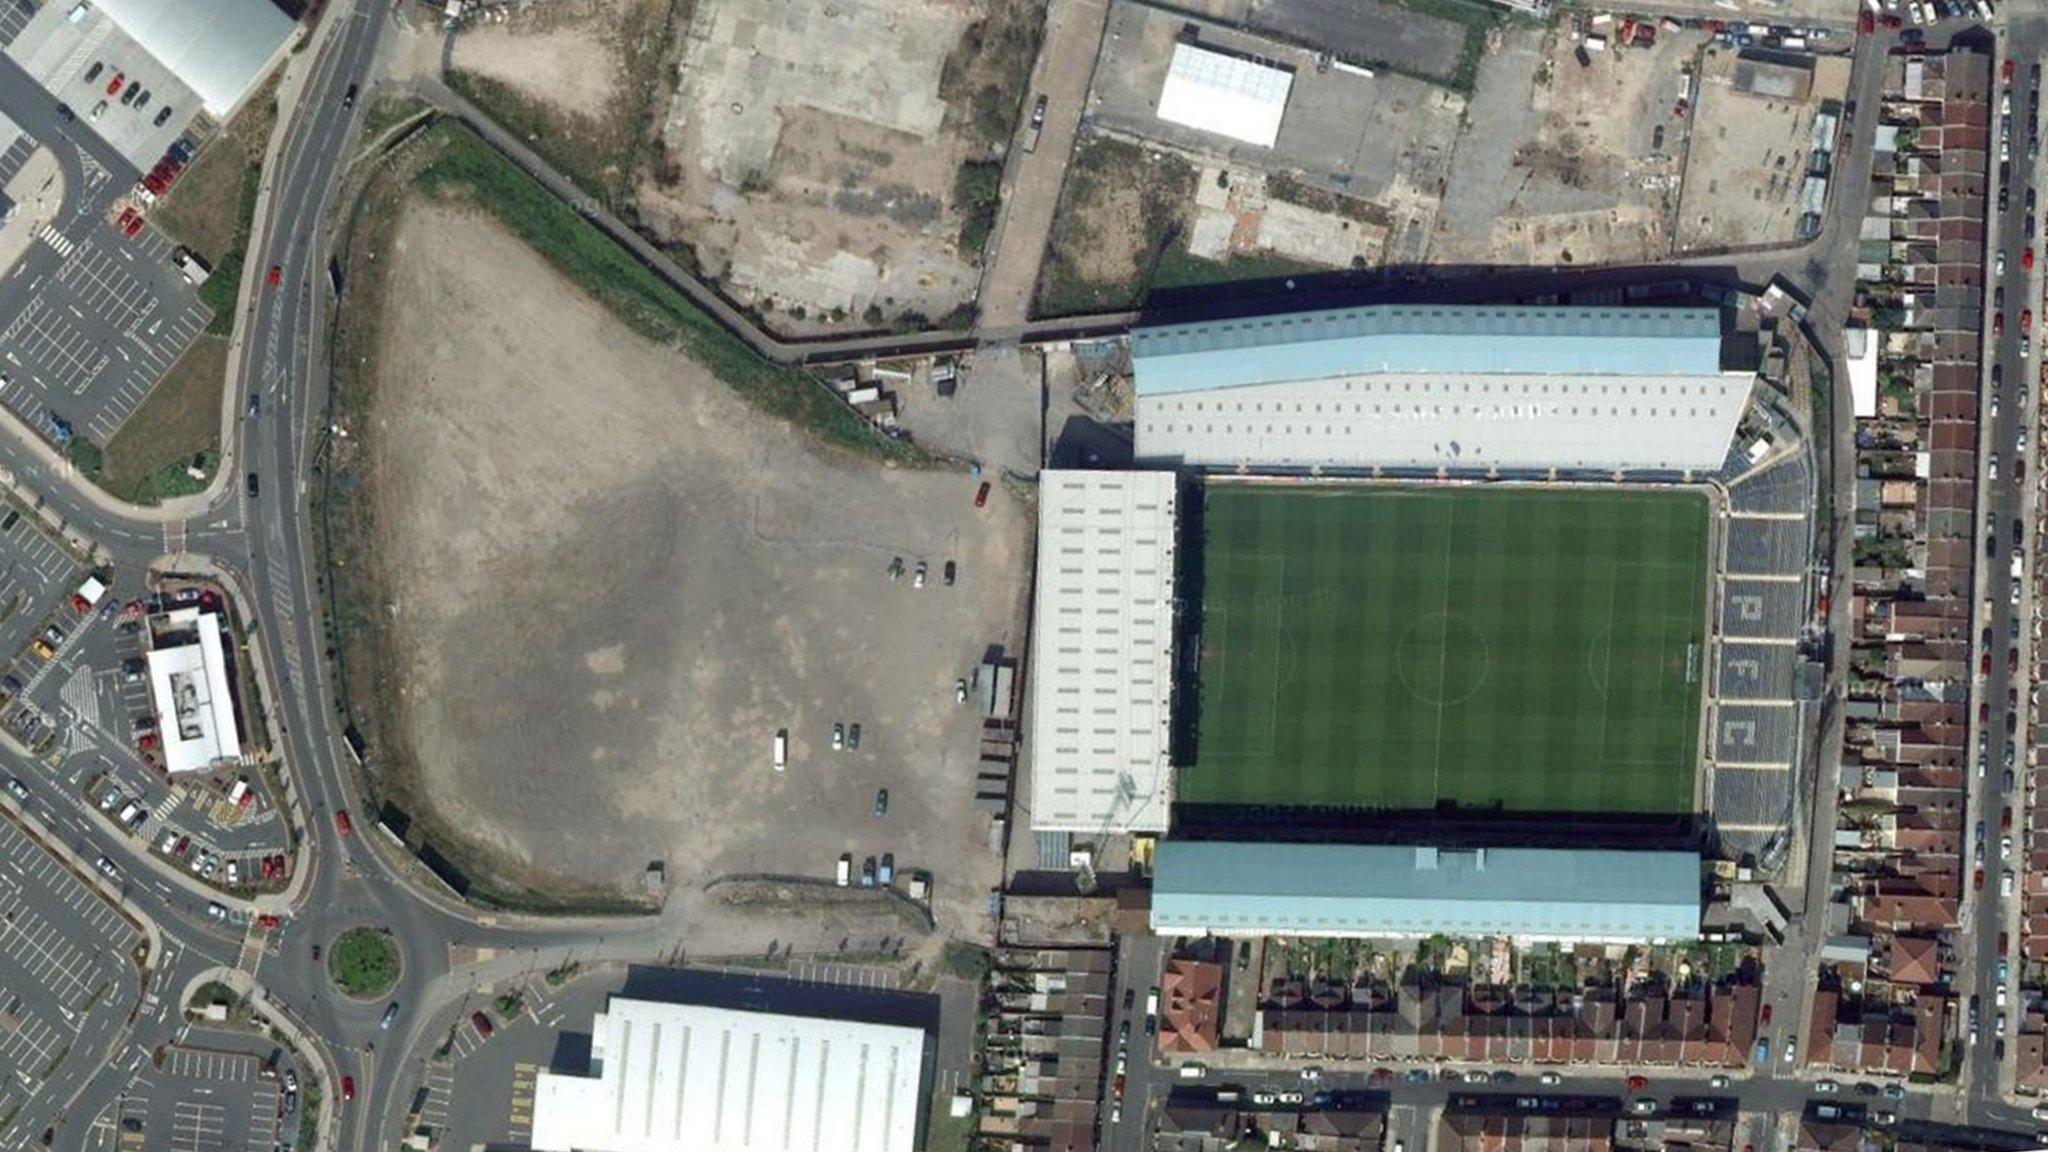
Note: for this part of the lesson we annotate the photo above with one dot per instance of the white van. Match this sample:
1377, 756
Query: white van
1193, 1070
845, 869
781, 749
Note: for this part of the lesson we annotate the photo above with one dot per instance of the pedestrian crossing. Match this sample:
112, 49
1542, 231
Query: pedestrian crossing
64, 245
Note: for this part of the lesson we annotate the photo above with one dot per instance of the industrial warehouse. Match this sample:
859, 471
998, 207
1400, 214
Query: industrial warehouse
705, 1079
1311, 549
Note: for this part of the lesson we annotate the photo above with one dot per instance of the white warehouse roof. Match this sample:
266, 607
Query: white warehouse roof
691, 1078
219, 48
1216, 92
1102, 649
1470, 387
188, 683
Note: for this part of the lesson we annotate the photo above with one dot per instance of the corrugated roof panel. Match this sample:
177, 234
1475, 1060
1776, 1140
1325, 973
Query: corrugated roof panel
1428, 338
1231, 888
218, 48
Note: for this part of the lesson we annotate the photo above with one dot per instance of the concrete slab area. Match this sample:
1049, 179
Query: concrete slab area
77, 62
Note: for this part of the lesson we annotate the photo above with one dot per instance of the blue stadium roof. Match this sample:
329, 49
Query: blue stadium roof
1437, 339
1242, 889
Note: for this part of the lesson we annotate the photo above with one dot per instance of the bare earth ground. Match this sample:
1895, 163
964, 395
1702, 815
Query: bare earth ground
1749, 157
557, 54
1564, 163
613, 582
813, 149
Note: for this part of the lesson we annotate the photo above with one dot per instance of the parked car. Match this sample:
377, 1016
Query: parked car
482, 1024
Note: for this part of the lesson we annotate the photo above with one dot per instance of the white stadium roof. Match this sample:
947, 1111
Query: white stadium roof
1102, 646
218, 48
1216, 92
1469, 387
691, 1078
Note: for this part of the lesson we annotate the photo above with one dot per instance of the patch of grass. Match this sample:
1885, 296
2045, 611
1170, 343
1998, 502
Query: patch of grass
603, 154
1478, 20
984, 78
389, 110
946, 1132
1402, 648
210, 208
309, 1113
85, 456
466, 167
1286, 186
177, 423
363, 962
978, 193
562, 973
1105, 168
964, 960
1179, 269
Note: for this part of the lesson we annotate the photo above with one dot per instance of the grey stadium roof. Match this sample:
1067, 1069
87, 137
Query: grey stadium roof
1229, 888
219, 48
1425, 386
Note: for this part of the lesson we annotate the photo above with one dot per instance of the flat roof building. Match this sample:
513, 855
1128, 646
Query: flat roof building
188, 686
1228, 888
1228, 95
691, 1078
220, 49
1102, 652
1463, 387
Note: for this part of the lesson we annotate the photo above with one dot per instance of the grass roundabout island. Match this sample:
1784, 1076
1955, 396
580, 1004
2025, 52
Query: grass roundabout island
364, 963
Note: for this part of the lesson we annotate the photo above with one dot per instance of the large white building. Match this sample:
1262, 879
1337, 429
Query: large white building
1228, 95
188, 685
220, 49
1470, 388
1102, 652
690, 1078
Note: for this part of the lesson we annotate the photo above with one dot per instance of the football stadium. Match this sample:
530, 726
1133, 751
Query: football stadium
1422, 579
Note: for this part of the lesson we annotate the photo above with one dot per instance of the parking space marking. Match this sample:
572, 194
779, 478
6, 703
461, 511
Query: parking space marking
440, 1086
519, 1117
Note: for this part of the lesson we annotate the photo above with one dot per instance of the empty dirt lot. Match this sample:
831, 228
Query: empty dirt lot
814, 150
1563, 162
612, 583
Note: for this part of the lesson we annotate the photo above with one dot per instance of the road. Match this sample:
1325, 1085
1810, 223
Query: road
2005, 598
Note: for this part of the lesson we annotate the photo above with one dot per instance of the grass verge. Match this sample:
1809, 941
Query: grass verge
176, 425
210, 208
363, 962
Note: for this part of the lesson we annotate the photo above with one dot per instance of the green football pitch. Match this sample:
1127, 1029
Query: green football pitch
1400, 648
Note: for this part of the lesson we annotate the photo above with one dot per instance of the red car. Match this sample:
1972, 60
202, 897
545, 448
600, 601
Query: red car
1767, 1013
981, 495
1637, 1083
2005, 819
2027, 256
2026, 321
1977, 881
1998, 323
2005, 72
276, 275
1866, 23
120, 78
342, 823
1893, 22
348, 1088
483, 1024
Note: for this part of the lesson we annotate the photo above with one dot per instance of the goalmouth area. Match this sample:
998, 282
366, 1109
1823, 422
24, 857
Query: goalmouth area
1403, 648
